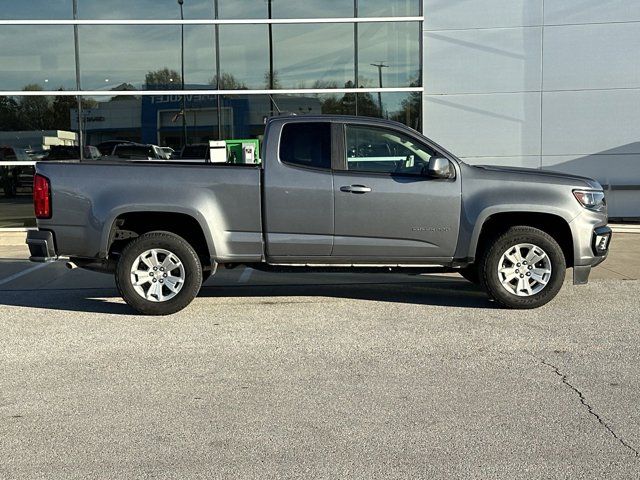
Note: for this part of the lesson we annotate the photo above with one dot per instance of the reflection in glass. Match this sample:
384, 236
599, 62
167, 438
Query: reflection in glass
389, 49
144, 9
232, 9
37, 58
313, 56
150, 120
109, 119
244, 57
402, 107
37, 10
243, 116
135, 57
389, 8
31, 127
312, 8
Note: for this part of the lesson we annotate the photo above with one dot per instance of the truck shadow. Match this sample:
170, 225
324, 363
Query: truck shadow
447, 292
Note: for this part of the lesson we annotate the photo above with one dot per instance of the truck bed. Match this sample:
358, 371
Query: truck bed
89, 196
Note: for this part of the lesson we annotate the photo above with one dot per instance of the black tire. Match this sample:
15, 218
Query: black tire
177, 246
470, 273
489, 263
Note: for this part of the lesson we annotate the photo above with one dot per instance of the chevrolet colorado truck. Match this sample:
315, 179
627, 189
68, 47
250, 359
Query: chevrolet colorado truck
332, 192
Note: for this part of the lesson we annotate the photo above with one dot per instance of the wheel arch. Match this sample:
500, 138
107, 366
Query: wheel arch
496, 223
127, 225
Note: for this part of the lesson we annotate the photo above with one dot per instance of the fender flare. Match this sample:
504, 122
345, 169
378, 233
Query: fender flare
486, 214
107, 233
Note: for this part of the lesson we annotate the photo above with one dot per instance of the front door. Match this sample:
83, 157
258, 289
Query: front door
386, 207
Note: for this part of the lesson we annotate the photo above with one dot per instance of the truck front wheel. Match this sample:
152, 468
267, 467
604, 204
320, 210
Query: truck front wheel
523, 268
159, 273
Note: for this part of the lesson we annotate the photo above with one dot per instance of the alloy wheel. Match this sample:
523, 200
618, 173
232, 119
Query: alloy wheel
524, 270
157, 275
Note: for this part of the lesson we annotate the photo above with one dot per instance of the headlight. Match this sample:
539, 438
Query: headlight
591, 199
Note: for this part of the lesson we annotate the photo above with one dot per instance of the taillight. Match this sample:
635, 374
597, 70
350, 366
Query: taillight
41, 196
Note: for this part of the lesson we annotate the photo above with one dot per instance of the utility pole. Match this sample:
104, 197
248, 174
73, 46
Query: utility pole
81, 140
271, 84
184, 108
380, 66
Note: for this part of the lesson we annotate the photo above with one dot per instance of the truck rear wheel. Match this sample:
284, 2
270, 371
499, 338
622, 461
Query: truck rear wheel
523, 268
158, 273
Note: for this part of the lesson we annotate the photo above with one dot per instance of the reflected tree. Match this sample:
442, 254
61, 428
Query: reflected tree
34, 113
346, 103
60, 112
164, 78
9, 114
271, 81
410, 109
228, 82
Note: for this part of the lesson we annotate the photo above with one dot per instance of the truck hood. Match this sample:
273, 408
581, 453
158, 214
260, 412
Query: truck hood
543, 176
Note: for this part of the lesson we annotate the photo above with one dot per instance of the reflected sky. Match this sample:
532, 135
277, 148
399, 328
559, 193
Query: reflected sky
123, 54
42, 55
395, 45
321, 55
312, 8
205, 9
305, 55
36, 9
389, 8
244, 53
145, 9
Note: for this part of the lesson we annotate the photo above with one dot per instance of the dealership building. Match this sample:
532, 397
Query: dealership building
545, 84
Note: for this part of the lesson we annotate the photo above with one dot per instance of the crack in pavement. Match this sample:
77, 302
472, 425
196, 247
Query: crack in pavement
589, 408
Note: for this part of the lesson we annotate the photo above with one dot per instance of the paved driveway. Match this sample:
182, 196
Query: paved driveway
333, 376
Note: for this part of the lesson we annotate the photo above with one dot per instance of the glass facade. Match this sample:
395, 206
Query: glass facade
80, 76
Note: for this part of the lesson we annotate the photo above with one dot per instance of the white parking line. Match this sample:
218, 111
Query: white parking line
15, 276
246, 275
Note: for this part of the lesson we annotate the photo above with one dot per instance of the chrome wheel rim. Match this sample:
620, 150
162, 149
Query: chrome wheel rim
524, 270
157, 275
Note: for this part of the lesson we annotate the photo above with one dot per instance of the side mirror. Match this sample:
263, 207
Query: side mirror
439, 167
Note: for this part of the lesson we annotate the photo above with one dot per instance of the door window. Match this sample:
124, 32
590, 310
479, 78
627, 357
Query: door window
379, 150
306, 144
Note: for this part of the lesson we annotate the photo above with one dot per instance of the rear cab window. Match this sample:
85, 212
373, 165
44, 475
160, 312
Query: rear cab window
306, 144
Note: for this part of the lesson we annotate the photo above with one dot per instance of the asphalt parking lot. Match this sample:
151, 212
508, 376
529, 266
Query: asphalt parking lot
317, 375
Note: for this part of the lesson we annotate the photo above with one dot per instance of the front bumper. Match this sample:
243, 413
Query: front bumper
600, 242
41, 246
599, 249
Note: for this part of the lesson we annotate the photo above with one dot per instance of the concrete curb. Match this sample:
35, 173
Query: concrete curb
12, 239
625, 228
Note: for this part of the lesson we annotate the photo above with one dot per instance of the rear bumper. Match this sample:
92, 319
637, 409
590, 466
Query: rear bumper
41, 246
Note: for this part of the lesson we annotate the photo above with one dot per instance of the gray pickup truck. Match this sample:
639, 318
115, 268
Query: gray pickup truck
333, 192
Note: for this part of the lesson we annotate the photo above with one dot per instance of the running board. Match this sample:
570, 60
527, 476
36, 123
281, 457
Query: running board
350, 268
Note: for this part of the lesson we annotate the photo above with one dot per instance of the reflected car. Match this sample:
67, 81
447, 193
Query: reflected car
197, 151
106, 148
169, 152
13, 179
36, 155
66, 152
137, 151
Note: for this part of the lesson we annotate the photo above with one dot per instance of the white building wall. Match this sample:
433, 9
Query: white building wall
551, 84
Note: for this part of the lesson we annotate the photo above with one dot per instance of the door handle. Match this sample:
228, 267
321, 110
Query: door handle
358, 189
